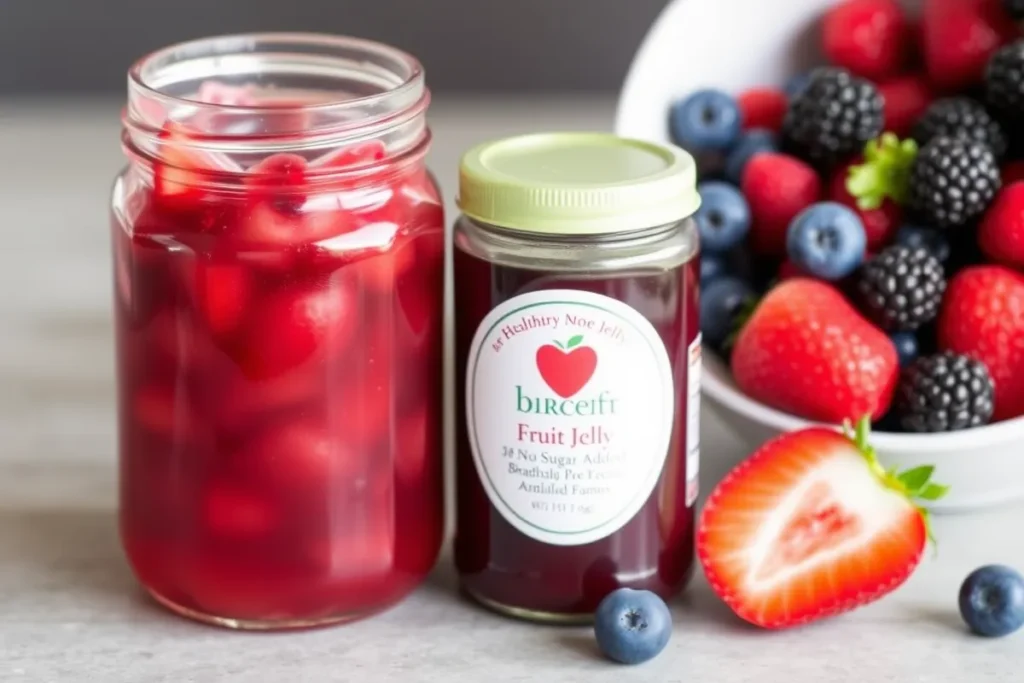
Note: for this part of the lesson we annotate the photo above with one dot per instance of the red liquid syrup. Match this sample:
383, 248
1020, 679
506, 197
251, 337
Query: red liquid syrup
654, 550
279, 364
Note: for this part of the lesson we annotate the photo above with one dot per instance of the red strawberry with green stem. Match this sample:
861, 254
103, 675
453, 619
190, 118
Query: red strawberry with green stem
807, 351
566, 368
811, 526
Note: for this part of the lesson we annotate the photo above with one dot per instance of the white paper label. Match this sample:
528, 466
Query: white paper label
693, 422
569, 407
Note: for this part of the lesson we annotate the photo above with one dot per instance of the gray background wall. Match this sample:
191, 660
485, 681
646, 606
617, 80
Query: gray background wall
84, 46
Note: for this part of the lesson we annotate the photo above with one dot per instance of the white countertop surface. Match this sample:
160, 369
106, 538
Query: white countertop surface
70, 610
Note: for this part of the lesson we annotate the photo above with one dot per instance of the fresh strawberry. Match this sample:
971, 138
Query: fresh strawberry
763, 108
880, 224
1012, 172
906, 99
959, 37
777, 188
293, 324
867, 37
805, 350
220, 292
811, 526
1001, 234
982, 316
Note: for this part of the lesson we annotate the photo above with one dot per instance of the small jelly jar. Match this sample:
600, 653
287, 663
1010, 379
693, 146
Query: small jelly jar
278, 251
578, 357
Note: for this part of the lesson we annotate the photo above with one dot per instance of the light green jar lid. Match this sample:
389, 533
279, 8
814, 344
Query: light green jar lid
577, 184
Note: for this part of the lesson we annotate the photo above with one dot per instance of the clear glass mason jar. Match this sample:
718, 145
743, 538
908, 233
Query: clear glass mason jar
278, 251
577, 348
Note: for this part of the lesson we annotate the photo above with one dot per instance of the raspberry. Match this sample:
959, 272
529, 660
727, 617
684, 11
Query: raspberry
959, 38
944, 393
777, 188
953, 181
901, 288
867, 37
832, 118
964, 118
763, 108
906, 99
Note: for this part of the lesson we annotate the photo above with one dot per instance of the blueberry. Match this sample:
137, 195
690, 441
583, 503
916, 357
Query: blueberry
906, 347
992, 601
723, 218
720, 303
796, 84
827, 240
632, 626
752, 142
706, 121
915, 236
712, 267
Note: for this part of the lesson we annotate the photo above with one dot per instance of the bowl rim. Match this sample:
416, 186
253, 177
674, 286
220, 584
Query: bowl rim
968, 439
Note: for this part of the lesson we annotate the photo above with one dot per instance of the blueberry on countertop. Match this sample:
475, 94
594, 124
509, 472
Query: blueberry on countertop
632, 626
723, 218
706, 121
992, 601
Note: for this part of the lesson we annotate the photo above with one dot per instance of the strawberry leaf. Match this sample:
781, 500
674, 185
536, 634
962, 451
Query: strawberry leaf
885, 173
933, 492
575, 341
916, 479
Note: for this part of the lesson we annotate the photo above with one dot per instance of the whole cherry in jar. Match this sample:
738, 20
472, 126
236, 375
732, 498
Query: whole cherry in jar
578, 357
278, 250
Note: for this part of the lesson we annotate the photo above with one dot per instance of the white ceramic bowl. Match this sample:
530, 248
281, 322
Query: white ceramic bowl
736, 44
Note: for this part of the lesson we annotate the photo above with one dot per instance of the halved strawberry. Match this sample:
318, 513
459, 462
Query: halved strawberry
811, 526
178, 177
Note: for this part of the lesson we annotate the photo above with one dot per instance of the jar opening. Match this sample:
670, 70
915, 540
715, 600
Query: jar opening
243, 97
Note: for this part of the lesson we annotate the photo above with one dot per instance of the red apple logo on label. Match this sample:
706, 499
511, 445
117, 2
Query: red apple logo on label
566, 369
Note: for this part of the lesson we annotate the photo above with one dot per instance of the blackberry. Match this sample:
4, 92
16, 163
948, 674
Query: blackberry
953, 181
833, 117
1004, 83
1015, 8
944, 393
901, 288
964, 118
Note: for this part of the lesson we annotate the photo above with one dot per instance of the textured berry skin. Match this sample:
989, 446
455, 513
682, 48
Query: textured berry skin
706, 121
866, 37
632, 626
991, 601
763, 108
880, 224
959, 37
901, 288
906, 347
906, 99
953, 181
946, 392
712, 267
961, 117
827, 241
756, 141
1001, 233
720, 303
833, 118
1004, 82
723, 218
1015, 8
983, 317
935, 242
807, 351
777, 188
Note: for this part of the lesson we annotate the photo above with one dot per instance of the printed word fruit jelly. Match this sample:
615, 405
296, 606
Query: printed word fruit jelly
578, 360
279, 273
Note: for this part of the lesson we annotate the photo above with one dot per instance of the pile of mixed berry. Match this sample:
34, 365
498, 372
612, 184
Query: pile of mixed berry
862, 228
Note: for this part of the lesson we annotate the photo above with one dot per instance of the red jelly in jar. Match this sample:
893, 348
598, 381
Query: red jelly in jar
578, 353
278, 252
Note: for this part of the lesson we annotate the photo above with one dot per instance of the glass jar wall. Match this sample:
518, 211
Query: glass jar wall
278, 248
